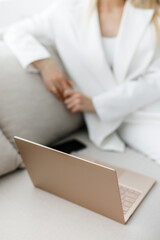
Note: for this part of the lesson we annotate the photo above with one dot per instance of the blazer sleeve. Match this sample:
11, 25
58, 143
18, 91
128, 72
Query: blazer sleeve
27, 38
130, 95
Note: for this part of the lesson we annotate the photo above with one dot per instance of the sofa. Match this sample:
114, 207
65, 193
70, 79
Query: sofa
28, 110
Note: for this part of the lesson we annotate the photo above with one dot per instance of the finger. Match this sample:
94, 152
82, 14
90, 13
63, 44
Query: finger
69, 83
59, 88
76, 109
55, 91
64, 87
73, 104
68, 93
71, 99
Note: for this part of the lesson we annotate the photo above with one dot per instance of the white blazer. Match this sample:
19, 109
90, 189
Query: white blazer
129, 93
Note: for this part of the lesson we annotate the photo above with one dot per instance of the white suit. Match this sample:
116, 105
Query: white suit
128, 94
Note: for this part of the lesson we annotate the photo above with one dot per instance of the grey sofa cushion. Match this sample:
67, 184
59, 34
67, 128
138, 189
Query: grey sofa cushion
27, 109
9, 158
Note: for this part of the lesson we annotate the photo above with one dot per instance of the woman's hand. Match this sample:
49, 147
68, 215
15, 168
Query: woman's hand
77, 102
53, 77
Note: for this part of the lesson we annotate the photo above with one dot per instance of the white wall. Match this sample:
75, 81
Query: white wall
14, 10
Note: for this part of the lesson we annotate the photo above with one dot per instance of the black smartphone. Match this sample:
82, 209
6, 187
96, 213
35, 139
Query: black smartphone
69, 146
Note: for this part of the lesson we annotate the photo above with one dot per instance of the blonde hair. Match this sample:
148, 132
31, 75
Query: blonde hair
146, 4
149, 4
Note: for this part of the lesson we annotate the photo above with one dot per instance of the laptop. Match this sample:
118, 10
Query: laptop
107, 190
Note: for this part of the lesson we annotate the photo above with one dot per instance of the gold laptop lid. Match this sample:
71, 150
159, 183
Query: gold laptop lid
88, 184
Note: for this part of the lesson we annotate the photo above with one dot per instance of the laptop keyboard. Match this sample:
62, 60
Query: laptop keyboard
128, 197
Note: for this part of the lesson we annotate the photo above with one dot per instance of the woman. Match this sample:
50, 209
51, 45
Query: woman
110, 50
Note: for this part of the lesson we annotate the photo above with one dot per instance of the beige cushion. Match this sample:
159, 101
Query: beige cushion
28, 110
9, 158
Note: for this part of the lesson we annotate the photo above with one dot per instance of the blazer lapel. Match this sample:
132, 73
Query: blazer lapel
133, 24
93, 53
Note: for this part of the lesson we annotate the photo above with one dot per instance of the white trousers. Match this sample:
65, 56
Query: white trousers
144, 138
